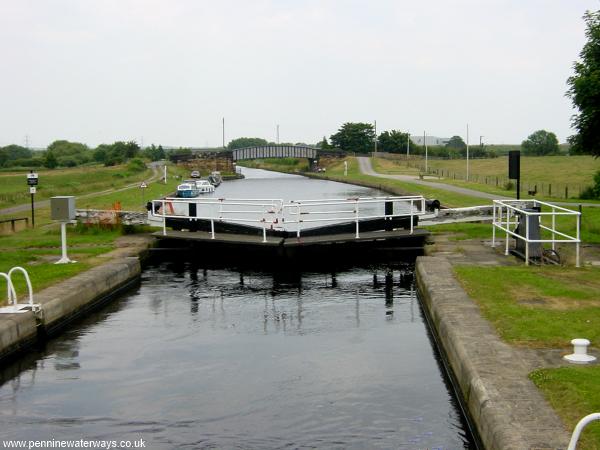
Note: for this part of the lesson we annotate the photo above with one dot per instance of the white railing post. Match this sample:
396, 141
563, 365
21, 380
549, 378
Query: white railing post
553, 227
494, 224
212, 228
264, 231
507, 229
164, 210
579, 428
577, 262
526, 237
412, 207
299, 221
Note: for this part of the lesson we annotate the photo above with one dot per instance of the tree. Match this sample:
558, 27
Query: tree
12, 153
246, 142
540, 143
456, 143
70, 154
354, 137
50, 160
323, 144
395, 142
584, 91
154, 153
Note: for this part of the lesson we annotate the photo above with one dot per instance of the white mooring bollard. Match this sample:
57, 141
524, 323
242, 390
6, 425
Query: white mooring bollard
579, 355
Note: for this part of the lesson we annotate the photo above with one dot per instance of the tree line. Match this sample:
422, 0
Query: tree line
63, 153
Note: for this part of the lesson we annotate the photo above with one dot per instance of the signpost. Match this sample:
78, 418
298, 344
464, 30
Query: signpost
32, 182
142, 187
514, 169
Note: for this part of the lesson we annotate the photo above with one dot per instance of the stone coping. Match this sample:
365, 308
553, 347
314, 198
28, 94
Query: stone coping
507, 409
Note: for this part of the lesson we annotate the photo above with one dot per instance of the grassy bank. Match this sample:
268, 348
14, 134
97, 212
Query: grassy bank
550, 176
76, 181
37, 249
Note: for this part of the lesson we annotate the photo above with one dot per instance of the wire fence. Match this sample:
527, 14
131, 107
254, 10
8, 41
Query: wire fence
531, 187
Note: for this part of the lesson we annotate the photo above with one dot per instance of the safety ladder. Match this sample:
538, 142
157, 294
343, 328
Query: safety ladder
13, 304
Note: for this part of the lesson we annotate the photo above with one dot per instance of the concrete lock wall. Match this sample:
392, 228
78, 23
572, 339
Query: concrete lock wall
505, 407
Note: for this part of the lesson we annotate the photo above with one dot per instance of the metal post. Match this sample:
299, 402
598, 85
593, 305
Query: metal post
356, 212
212, 228
32, 213
165, 173
467, 152
493, 225
553, 227
412, 208
264, 232
164, 206
577, 261
298, 230
526, 238
507, 228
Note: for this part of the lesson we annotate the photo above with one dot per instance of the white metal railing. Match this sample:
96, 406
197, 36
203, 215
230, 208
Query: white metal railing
579, 428
12, 300
291, 216
509, 213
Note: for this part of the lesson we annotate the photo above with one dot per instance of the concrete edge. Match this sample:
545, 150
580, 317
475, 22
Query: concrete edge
71, 299
512, 415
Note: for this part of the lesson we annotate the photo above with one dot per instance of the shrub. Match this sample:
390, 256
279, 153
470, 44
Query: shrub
136, 165
509, 186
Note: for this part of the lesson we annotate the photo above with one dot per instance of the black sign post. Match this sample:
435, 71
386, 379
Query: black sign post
32, 182
514, 169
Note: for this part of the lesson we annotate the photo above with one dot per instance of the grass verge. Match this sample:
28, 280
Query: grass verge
573, 392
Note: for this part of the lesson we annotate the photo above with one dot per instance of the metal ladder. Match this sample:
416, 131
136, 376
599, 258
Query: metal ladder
14, 307
579, 428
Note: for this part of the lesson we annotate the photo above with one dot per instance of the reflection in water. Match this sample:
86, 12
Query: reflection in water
196, 358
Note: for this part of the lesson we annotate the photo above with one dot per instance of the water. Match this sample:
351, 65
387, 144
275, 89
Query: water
209, 357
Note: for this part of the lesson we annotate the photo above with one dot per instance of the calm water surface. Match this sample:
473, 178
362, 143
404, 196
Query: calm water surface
204, 357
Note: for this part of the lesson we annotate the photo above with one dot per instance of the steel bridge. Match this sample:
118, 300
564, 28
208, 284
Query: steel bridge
275, 151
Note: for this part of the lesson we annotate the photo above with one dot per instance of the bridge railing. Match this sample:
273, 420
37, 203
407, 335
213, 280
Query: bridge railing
295, 215
353, 209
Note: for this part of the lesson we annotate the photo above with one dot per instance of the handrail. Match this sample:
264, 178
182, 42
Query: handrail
11, 294
579, 428
27, 280
505, 210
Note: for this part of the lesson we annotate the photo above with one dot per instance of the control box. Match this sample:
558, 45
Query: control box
62, 208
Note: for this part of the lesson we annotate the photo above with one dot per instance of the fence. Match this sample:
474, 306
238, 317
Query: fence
12, 222
531, 187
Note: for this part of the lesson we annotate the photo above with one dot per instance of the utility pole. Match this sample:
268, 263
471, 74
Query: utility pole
407, 144
26, 141
375, 127
425, 143
223, 132
277, 134
467, 152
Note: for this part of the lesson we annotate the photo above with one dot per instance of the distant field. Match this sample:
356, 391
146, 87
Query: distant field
554, 176
14, 189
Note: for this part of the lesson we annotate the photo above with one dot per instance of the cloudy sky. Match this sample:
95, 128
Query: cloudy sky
168, 71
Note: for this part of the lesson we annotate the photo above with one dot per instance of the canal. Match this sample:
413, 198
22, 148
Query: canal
202, 356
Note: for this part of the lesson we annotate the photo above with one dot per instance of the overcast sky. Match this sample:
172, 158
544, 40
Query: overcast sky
169, 71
